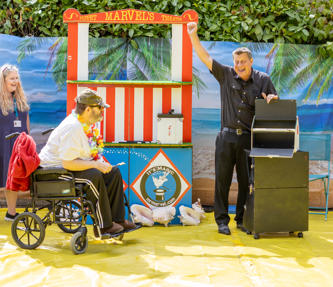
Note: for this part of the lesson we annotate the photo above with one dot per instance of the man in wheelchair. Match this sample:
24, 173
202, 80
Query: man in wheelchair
77, 146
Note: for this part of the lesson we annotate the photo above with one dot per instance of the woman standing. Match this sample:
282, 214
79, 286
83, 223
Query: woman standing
14, 117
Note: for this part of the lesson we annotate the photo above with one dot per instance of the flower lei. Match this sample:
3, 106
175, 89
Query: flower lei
95, 140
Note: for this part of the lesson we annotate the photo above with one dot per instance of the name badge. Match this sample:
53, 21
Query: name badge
17, 124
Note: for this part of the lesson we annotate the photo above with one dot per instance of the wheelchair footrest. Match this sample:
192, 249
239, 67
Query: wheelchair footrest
113, 235
109, 236
137, 226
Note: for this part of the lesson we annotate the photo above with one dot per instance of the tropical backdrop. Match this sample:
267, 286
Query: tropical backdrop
298, 72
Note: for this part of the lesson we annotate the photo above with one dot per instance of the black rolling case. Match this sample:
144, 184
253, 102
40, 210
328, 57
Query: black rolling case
279, 189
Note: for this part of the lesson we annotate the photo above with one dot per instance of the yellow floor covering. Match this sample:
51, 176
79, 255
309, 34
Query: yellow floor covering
173, 256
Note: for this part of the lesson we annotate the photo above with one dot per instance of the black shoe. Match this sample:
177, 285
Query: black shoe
9, 217
128, 225
105, 233
241, 227
224, 229
113, 229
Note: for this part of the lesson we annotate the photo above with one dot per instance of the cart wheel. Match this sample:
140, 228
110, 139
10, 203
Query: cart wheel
69, 213
28, 230
79, 243
256, 236
300, 234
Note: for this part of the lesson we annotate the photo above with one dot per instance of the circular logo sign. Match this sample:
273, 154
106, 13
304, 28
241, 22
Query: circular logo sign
160, 186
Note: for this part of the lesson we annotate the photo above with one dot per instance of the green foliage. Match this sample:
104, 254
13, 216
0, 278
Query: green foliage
279, 21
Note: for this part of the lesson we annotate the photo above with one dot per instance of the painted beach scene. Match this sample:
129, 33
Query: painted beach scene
297, 72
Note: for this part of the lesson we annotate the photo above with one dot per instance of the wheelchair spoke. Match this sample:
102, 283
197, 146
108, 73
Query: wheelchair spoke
21, 228
68, 214
34, 236
29, 224
23, 235
25, 221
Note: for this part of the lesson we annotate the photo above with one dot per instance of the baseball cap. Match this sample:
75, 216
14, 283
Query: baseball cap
91, 98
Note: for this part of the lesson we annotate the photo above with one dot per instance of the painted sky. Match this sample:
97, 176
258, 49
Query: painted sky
222, 52
40, 86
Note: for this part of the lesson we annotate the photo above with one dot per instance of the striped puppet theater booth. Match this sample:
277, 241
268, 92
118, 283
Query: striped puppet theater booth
130, 127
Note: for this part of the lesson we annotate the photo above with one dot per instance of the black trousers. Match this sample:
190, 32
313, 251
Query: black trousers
106, 193
230, 151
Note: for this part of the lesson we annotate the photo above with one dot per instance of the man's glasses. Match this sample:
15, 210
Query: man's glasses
97, 106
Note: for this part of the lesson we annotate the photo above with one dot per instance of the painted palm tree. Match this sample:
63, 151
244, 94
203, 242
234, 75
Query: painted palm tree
109, 59
298, 66
143, 59
319, 70
57, 58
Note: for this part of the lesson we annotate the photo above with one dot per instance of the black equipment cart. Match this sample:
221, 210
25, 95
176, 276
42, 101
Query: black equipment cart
279, 189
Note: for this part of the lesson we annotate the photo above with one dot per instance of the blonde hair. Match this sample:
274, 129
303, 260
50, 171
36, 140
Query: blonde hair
6, 101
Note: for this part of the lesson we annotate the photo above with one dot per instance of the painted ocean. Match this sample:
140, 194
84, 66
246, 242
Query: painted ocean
46, 115
312, 118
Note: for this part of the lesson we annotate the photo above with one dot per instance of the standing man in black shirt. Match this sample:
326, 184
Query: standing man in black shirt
239, 87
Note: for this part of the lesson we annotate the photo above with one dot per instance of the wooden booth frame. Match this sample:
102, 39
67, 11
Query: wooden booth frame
141, 100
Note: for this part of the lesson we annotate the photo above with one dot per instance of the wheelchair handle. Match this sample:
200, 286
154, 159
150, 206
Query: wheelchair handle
10, 136
47, 131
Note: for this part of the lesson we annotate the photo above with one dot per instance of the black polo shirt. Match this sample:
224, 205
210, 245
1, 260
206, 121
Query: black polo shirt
238, 96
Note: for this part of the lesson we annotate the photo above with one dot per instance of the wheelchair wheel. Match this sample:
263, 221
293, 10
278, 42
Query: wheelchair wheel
79, 243
69, 213
28, 230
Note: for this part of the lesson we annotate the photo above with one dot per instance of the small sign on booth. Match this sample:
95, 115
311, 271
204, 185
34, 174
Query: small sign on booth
163, 179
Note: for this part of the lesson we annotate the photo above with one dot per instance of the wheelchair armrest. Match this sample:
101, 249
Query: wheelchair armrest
56, 170
51, 173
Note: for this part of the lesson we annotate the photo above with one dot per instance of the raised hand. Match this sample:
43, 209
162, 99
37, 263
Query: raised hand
192, 28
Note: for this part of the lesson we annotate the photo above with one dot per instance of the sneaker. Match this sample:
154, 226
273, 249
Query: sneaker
9, 217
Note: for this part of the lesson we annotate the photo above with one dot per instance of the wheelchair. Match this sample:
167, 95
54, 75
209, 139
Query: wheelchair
65, 204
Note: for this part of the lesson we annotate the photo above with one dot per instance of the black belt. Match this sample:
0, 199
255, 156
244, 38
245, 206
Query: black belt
236, 131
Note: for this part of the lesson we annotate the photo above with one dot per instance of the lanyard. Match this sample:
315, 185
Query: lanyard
15, 108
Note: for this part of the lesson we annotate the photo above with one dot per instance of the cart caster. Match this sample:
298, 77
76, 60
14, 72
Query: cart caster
256, 236
300, 234
79, 243
120, 237
28, 230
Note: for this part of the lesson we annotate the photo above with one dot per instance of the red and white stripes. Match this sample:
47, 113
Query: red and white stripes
133, 112
132, 115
